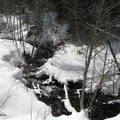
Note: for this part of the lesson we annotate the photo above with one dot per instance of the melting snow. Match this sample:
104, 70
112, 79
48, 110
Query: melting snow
68, 64
16, 101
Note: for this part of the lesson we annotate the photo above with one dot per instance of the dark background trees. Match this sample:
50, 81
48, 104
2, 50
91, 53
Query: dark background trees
82, 15
91, 22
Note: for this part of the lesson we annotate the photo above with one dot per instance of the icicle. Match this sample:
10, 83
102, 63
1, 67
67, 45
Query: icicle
67, 101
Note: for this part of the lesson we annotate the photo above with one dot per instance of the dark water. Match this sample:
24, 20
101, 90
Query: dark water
53, 93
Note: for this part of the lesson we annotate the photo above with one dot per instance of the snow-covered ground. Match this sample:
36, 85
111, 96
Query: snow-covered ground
19, 103
16, 101
68, 64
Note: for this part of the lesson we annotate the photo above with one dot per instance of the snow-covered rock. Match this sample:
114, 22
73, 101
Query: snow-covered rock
68, 64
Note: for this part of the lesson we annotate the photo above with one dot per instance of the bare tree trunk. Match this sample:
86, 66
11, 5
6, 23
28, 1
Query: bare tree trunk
87, 64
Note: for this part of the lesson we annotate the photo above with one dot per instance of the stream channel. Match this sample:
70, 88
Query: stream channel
53, 93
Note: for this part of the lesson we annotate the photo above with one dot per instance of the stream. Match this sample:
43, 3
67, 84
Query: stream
52, 94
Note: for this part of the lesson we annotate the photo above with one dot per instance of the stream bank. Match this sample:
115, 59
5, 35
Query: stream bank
53, 94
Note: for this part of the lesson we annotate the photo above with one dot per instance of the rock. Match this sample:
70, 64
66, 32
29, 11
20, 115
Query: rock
45, 50
58, 108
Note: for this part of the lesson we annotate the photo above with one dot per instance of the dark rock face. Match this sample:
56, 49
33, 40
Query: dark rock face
74, 99
46, 50
54, 100
59, 109
104, 111
76, 85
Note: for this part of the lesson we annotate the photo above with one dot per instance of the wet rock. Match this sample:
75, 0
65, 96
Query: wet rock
58, 108
74, 99
105, 111
76, 85
43, 77
56, 83
45, 50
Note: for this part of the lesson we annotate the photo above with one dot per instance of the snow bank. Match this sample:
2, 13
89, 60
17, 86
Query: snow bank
16, 101
12, 52
68, 64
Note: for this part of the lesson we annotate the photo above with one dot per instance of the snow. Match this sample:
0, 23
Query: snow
68, 64
16, 101
66, 69
20, 103
67, 101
